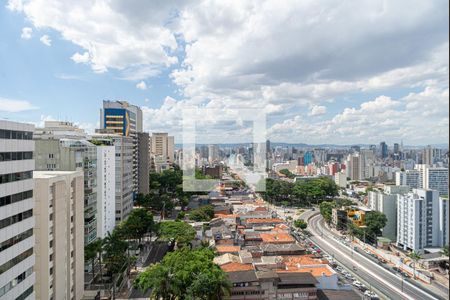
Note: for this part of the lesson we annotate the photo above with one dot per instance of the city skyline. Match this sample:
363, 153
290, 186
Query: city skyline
374, 83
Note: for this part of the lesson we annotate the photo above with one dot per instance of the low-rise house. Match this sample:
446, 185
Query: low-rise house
282, 249
277, 238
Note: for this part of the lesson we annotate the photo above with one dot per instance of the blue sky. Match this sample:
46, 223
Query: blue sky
47, 77
321, 72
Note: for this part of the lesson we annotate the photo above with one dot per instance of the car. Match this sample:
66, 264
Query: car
362, 288
406, 275
396, 269
367, 293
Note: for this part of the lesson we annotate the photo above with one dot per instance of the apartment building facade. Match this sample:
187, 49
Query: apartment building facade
123, 171
420, 220
17, 258
55, 152
59, 213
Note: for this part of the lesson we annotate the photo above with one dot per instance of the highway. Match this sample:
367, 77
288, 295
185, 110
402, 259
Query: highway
385, 283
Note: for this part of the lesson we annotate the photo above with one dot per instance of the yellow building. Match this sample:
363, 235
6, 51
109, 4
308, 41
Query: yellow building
357, 216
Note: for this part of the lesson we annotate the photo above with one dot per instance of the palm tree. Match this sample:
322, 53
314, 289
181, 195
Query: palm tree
114, 252
415, 256
90, 254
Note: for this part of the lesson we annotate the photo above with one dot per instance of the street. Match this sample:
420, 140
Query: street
380, 280
156, 254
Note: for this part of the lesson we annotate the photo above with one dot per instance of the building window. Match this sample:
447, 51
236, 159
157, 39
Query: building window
6, 200
16, 218
8, 265
5, 178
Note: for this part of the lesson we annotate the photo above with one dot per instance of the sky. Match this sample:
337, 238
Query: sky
328, 71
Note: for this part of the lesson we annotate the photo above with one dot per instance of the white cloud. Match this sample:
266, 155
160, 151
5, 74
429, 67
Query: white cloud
291, 58
13, 106
26, 33
416, 118
318, 110
141, 85
80, 58
118, 35
45, 39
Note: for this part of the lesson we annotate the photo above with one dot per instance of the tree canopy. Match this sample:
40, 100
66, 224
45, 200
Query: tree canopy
287, 173
300, 224
375, 221
185, 274
202, 214
301, 193
138, 223
180, 232
326, 210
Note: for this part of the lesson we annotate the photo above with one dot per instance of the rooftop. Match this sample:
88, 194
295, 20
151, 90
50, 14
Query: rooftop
259, 221
236, 267
277, 238
227, 249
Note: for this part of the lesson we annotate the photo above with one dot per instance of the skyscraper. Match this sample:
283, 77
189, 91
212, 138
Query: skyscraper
308, 158
428, 156
396, 148
162, 146
213, 154
124, 171
383, 150
123, 118
422, 220
17, 240
106, 191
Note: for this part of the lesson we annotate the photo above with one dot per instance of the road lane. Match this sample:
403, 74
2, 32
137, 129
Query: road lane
381, 279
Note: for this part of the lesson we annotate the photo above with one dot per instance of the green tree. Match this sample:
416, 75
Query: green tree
445, 250
326, 210
115, 256
287, 173
185, 274
202, 214
139, 223
180, 232
300, 223
92, 252
375, 221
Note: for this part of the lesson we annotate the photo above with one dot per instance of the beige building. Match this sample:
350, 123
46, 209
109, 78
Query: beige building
162, 146
59, 231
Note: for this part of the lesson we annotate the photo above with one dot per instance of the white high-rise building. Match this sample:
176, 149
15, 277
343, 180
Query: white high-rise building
420, 215
124, 171
106, 193
386, 202
59, 231
410, 178
436, 179
162, 147
353, 166
17, 258
340, 179
428, 156
213, 154
123, 118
